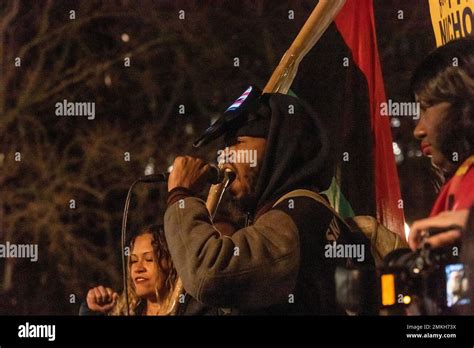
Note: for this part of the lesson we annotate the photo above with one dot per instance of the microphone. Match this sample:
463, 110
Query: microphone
216, 176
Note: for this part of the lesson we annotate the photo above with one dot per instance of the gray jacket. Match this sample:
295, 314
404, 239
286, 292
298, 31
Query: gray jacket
275, 266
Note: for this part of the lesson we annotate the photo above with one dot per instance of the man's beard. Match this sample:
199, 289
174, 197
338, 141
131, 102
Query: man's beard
248, 202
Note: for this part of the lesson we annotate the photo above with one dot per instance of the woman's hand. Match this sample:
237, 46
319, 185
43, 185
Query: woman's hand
101, 299
445, 219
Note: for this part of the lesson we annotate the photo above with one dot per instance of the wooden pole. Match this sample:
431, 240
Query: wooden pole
317, 23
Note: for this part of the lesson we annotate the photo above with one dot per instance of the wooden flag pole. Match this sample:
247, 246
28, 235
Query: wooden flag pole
317, 23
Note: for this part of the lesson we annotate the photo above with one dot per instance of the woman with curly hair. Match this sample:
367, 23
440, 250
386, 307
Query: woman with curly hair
154, 287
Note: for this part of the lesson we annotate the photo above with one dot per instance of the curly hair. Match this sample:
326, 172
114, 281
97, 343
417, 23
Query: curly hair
447, 75
161, 252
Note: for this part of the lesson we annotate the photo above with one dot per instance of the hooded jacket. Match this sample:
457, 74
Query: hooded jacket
277, 264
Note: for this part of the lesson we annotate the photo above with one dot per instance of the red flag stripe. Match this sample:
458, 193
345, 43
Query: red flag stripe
356, 24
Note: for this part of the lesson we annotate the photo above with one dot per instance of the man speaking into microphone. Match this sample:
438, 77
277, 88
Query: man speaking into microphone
277, 263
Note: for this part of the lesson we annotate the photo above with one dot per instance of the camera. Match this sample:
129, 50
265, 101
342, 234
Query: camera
422, 282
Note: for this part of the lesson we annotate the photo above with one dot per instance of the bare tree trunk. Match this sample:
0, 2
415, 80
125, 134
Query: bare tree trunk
8, 275
9, 262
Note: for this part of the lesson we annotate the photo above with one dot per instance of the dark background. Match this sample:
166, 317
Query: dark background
174, 63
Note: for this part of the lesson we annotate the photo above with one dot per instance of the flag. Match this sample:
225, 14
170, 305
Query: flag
342, 79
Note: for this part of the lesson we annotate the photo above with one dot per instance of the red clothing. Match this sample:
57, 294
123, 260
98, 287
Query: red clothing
458, 192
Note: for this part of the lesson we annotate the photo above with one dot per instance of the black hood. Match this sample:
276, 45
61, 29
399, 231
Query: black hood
296, 154
297, 151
